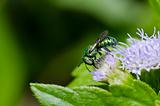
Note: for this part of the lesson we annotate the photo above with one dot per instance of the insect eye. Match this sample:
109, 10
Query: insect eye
88, 60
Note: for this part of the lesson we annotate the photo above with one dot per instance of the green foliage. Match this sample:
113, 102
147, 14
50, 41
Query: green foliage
83, 77
53, 95
137, 91
156, 5
135, 94
84, 91
11, 64
152, 78
52, 23
114, 13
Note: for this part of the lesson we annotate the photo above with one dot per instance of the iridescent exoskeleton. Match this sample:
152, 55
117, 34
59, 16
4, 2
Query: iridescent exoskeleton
97, 50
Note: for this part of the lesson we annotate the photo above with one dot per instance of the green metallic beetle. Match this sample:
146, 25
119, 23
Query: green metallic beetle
100, 47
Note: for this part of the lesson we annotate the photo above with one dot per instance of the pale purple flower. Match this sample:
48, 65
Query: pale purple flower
98, 75
140, 54
106, 65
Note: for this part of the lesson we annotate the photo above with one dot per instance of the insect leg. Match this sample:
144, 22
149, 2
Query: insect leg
87, 68
102, 50
105, 49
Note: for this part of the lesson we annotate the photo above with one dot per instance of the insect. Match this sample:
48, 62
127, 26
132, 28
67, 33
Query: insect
95, 51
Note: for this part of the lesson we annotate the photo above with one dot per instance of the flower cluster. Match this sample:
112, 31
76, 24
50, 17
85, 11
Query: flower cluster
135, 56
140, 54
106, 66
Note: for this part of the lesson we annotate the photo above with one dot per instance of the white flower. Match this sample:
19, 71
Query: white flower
140, 54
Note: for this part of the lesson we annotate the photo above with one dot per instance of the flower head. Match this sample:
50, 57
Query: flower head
106, 66
140, 54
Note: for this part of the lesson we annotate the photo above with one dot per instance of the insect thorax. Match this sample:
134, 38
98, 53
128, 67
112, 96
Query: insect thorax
108, 42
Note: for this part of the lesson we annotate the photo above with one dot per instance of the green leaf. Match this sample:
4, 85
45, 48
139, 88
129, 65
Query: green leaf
105, 98
83, 77
156, 5
54, 95
79, 70
135, 94
152, 78
136, 91
91, 96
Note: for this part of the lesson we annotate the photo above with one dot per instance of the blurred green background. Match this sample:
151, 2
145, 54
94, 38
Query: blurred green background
43, 40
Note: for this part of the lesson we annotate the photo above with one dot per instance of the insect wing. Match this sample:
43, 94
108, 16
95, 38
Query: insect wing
103, 36
92, 47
